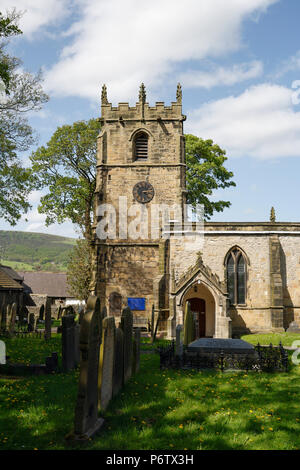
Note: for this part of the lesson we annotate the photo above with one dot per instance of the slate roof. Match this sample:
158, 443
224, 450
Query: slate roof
11, 273
45, 283
7, 282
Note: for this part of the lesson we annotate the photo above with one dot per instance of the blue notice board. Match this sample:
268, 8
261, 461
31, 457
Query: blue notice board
136, 303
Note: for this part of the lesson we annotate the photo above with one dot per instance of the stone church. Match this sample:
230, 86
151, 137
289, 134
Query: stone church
243, 277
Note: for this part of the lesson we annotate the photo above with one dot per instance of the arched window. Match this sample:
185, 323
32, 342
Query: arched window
236, 277
141, 146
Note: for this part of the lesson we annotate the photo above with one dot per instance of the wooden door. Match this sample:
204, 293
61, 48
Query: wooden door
198, 306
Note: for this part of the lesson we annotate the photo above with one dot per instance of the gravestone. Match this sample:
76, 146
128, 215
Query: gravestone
179, 340
2, 353
32, 322
152, 321
127, 327
77, 344
104, 312
86, 422
4, 318
23, 314
118, 374
293, 328
8, 316
13, 316
189, 325
42, 312
48, 319
106, 363
59, 313
68, 342
81, 312
136, 350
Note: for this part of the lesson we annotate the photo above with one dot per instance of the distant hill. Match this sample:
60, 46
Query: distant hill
27, 251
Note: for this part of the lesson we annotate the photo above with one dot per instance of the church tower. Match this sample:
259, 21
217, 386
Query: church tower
140, 163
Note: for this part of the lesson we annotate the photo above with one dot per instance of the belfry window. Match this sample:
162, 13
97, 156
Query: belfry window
141, 146
236, 277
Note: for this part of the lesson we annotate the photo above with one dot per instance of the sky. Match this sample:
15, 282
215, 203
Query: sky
238, 63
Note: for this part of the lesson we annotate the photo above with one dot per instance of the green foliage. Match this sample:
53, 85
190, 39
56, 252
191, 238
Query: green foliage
31, 251
79, 269
21, 93
206, 173
8, 27
67, 167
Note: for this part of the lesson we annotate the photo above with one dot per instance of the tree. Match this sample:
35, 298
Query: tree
21, 93
205, 173
8, 28
67, 167
79, 269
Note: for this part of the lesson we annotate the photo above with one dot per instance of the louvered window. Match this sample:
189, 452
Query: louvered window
141, 146
236, 277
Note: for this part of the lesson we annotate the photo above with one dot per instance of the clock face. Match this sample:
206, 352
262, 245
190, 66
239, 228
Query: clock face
143, 192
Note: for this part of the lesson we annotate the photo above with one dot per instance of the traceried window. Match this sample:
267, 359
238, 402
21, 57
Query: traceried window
236, 277
141, 146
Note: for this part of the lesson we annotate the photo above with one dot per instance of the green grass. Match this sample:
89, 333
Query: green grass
31, 350
167, 410
287, 339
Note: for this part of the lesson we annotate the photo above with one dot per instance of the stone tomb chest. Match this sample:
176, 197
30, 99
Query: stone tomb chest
215, 345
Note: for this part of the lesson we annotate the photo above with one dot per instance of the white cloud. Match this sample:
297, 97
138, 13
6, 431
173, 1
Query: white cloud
221, 75
37, 14
124, 42
290, 65
261, 122
35, 222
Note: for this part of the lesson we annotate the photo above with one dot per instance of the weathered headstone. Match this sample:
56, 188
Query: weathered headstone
136, 350
293, 327
189, 325
13, 316
2, 352
118, 374
106, 363
68, 342
23, 314
8, 316
87, 422
32, 322
59, 313
81, 312
104, 312
48, 319
127, 327
179, 340
42, 312
4, 318
152, 321
77, 344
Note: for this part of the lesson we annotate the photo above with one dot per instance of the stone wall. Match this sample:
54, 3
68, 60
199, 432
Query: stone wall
256, 314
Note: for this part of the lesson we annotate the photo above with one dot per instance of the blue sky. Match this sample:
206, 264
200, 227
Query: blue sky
236, 60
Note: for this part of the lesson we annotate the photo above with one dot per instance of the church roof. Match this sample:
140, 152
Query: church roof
46, 283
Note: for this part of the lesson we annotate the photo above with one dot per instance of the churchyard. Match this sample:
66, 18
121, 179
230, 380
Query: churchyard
155, 409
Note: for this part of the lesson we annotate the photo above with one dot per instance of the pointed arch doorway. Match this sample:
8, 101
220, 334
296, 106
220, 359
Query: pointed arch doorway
198, 307
203, 306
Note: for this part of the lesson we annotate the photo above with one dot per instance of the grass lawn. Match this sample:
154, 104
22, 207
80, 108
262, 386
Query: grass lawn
168, 410
287, 339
